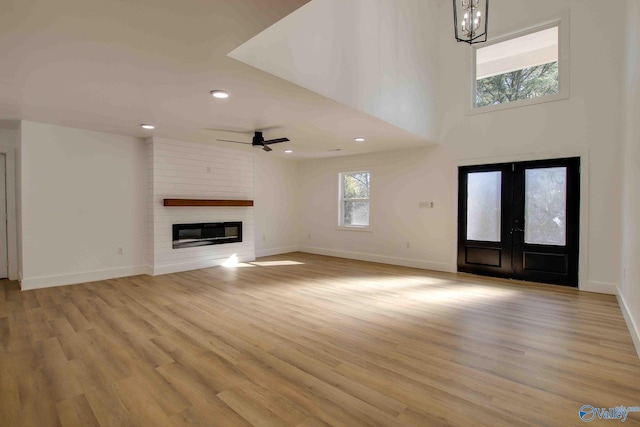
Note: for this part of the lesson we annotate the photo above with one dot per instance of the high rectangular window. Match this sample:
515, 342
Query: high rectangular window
519, 69
354, 199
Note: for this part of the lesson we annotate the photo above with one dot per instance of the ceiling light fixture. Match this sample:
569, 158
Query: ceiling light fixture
220, 94
470, 18
288, 151
148, 127
359, 139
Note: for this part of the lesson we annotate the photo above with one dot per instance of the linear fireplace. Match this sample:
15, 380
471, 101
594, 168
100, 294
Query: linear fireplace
203, 234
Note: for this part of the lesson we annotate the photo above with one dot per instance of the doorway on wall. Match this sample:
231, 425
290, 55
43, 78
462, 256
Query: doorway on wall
4, 263
520, 220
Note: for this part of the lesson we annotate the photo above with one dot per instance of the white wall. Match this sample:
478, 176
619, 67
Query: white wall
629, 294
83, 196
373, 55
399, 181
185, 170
588, 123
276, 204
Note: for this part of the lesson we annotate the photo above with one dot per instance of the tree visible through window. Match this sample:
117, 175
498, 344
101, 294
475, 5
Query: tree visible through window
524, 67
531, 82
354, 199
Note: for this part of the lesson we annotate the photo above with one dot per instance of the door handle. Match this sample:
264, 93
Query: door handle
517, 229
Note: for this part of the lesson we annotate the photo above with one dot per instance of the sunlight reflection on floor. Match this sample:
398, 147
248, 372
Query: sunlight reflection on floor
460, 295
234, 261
275, 263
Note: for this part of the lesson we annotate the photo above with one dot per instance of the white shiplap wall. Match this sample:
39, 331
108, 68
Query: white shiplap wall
180, 169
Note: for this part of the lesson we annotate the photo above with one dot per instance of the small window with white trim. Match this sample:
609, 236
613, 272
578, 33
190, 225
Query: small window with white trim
354, 199
520, 70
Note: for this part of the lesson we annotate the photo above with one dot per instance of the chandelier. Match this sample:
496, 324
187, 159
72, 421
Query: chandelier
470, 20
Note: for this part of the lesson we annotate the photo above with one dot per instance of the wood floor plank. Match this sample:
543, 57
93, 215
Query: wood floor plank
306, 340
250, 410
107, 406
141, 402
76, 412
37, 403
10, 405
312, 422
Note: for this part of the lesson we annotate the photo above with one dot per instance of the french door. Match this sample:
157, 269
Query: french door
520, 220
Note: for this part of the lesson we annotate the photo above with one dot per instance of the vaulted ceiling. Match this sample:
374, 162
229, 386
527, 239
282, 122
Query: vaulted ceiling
110, 65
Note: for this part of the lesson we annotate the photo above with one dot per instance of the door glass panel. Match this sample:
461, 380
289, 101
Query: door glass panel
545, 206
484, 206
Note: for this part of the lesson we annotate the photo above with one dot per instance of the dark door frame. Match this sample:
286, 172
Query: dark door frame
583, 155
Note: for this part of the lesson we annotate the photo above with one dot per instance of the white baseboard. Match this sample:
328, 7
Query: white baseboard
634, 330
404, 262
599, 288
75, 278
276, 251
196, 265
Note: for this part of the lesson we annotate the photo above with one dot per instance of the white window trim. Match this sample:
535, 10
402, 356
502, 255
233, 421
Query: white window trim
341, 226
563, 68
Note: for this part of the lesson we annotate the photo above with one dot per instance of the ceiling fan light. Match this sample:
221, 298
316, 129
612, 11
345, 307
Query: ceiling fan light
220, 94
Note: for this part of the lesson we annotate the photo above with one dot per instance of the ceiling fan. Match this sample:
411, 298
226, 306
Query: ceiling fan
258, 141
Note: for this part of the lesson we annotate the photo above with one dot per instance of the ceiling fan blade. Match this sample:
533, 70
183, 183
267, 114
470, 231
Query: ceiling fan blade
265, 148
237, 142
274, 141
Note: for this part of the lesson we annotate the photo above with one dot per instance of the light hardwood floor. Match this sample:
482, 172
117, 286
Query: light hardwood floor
306, 340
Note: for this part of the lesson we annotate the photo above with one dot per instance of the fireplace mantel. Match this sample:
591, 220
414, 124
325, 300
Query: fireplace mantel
206, 202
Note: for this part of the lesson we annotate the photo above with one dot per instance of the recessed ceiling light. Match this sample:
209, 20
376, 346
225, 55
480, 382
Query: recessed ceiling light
288, 151
148, 127
220, 94
359, 139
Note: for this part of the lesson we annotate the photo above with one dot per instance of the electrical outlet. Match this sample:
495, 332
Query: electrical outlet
120, 251
309, 236
264, 238
408, 245
208, 169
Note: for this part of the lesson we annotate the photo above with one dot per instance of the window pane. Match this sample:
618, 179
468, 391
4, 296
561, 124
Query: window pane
356, 185
484, 206
545, 206
521, 68
356, 212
